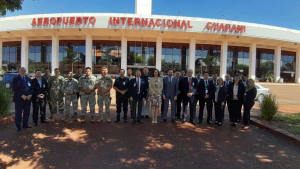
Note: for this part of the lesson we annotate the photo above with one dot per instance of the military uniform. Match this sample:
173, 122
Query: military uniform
56, 96
104, 83
48, 95
122, 84
130, 102
70, 85
88, 83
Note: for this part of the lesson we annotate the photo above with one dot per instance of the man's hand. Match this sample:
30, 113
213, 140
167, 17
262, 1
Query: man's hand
131, 99
175, 98
164, 97
206, 96
190, 94
144, 99
28, 97
24, 97
222, 103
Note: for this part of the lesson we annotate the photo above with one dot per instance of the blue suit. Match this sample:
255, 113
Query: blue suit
138, 96
21, 87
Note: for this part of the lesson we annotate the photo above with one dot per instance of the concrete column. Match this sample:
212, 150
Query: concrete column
223, 59
88, 51
158, 52
252, 61
192, 53
1, 54
277, 63
55, 53
24, 52
297, 76
124, 53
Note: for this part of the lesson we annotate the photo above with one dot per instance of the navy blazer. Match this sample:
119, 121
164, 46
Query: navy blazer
20, 88
221, 94
133, 89
184, 86
39, 90
250, 96
201, 89
241, 91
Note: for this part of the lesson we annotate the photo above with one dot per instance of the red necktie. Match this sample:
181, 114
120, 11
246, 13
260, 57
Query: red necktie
190, 83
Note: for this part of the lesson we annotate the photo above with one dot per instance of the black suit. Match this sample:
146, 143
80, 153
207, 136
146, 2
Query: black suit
185, 88
137, 95
235, 106
22, 107
179, 100
204, 90
39, 104
249, 101
226, 85
197, 98
218, 102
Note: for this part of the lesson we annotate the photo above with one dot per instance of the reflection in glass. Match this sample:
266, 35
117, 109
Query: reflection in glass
265, 64
39, 55
288, 66
174, 56
11, 56
237, 60
141, 53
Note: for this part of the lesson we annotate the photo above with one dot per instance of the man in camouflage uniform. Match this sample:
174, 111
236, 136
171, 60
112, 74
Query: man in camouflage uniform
77, 77
104, 85
56, 96
47, 76
70, 89
87, 87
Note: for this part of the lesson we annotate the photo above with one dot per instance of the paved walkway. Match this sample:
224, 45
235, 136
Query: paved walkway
58, 145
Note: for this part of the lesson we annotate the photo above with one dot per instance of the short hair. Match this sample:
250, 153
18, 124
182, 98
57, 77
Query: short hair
70, 72
245, 74
104, 67
79, 67
145, 68
121, 70
171, 69
156, 70
220, 79
190, 70
129, 69
89, 68
237, 76
37, 70
137, 71
56, 69
46, 69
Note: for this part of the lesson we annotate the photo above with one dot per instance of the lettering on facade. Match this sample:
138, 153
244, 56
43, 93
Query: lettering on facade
150, 22
63, 21
211, 26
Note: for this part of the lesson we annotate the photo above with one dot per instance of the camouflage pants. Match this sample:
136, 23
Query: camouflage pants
106, 100
57, 102
71, 99
85, 100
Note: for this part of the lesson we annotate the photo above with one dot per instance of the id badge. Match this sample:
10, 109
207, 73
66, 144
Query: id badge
206, 91
70, 83
134, 85
28, 84
123, 83
44, 86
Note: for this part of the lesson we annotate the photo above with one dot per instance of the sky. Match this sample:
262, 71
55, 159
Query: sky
282, 13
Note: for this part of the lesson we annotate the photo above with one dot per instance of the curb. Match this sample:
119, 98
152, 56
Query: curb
276, 131
8, 119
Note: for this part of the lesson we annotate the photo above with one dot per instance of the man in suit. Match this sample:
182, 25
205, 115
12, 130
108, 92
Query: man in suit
227, 82
146, 77
170, 91
197, 98
22, 88
137, 93
244, 79
214, 79
188, 88
179, 96
39, 98
206, 90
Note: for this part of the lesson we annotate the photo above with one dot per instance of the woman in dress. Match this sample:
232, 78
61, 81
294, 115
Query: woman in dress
155, 86
250, 95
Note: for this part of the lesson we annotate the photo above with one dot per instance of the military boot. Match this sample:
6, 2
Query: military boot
108, 120
100, 119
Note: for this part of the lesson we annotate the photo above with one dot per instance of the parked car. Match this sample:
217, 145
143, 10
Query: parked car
261, 92
7, 79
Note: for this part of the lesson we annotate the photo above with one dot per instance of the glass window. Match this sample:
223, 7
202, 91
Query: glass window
288, 66
238, 60
141, 53
174, 56
39, 55
207, 58
11, 52
264, 64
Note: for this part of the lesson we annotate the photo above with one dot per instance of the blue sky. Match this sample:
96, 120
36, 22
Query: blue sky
283, 13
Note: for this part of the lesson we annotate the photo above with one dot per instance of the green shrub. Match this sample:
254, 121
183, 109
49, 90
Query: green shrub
268, 107
5, 101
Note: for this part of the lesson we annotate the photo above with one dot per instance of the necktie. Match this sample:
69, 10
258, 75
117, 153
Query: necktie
170, 80
24, 80
138, 85
190, 83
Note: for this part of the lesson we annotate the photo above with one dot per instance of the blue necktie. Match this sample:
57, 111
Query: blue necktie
24, 80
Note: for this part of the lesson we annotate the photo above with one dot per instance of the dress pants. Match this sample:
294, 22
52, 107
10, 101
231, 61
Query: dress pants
178, 105
246, 115
39, 105
22, 112
122, 100
208, 103
197, 99
219, 111
188, 101
136, 101
235, 109
166, 107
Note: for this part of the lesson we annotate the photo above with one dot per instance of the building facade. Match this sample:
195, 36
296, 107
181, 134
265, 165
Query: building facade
139, 40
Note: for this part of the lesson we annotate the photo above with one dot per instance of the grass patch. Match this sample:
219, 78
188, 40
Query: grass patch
288, 122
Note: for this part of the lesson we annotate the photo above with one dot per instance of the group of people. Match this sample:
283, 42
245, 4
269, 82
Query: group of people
143, 94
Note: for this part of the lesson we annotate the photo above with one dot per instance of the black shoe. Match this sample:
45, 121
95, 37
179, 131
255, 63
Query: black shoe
192, 123
27, 127
233, 124
125, 121
35, 125
216, 122
134, 121
164, 121
209, 122
182, 122
117, 120
142, 116
147, 117
179, 118
173, 121
19, 130
220, 123
199, 122
45, 122
140, 121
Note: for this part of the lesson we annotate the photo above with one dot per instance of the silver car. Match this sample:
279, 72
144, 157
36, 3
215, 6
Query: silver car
261, 92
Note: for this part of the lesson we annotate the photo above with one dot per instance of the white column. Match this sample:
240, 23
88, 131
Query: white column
252, 61
277, 63
297, 76
192, 53
88, 51
24, 52
1, 54
158, 52
124, 53
55, 53
223, 59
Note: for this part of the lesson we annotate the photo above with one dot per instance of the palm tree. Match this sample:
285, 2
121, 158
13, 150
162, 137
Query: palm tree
72, 56
210, 61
